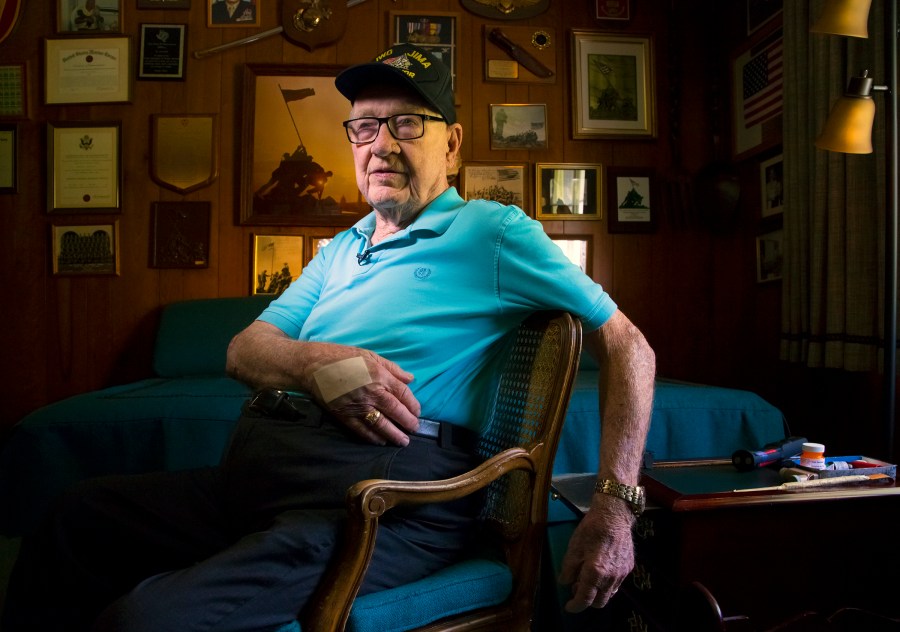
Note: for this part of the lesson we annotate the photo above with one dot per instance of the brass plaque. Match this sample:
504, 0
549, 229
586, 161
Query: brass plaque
184, 152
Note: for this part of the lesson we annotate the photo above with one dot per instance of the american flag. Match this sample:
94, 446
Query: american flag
763, 81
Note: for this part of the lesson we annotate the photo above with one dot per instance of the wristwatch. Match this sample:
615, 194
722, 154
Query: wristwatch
633, 495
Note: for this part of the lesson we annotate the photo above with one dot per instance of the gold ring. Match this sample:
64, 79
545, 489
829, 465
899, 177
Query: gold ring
372, 417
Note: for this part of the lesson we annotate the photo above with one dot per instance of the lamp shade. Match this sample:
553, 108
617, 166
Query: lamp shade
844, 17
848, 128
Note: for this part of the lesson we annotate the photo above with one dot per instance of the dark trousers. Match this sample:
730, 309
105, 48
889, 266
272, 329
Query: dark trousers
237, 547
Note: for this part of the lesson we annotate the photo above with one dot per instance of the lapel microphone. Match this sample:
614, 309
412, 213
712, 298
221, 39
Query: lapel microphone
363, 257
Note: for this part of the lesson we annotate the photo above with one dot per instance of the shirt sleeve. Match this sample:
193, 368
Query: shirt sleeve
289, 311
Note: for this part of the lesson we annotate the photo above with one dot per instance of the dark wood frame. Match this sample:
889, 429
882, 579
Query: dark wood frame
211, 24
497, 144
163, 53
179, 234
19, 95
614, 218
13, 130
325, 141
398, 18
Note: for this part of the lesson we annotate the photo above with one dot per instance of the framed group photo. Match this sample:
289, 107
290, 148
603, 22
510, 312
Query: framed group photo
631, 200
433, 31
85, 249
506, 183
568, 191
89, 17
277, 262
518, 126
297, 164
612, 84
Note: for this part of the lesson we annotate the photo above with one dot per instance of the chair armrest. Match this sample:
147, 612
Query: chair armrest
367, 501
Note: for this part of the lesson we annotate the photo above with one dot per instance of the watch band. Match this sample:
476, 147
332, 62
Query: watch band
633, 495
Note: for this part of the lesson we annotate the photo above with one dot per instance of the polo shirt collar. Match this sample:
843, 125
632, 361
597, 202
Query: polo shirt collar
435, 218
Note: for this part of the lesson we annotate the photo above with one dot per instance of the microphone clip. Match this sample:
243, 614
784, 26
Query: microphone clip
363, 257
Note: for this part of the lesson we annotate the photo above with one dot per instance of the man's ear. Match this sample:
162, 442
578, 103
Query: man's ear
454, 144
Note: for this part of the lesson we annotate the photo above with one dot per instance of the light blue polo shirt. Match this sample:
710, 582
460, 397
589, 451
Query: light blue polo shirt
438, 297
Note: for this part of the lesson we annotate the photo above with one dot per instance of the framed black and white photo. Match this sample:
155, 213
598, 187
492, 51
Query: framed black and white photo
518, 126
506, 183
568, 191
89, 17
769, 256
85, 249
771, 185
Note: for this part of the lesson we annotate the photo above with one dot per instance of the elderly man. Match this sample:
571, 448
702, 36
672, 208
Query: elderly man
400, 318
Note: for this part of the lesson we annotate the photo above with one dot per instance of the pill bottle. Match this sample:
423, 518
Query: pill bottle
813, 456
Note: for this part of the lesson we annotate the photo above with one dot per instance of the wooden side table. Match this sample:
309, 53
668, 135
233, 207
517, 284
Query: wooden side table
762, 556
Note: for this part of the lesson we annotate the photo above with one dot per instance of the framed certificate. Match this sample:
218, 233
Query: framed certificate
162, 51
87, 70
83, 166
9, 157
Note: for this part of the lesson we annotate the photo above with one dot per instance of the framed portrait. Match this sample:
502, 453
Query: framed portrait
568, 191
161, 53
179, 234
612, 85
89, 17
220, 13
518, 126
757, 88
13, 92
506, 183
87, 70
277, 262
631, 199
296, 162
9, 157
84, 167
578, 248
434, 31
771, 186
85, 249
315, 241
769, 256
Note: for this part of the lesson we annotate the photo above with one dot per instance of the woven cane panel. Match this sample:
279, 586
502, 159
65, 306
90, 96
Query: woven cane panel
518, 420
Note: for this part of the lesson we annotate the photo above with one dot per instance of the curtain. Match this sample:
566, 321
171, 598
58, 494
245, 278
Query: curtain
834, 204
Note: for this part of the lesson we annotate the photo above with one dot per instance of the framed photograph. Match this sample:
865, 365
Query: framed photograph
240, 13
13, 92
9, 158
314, 243
568, 191
89, 17
163, 4
612, 86
277, 261
85, 249
518, 126
506, 183
179, 234
296, 162
578, 248
434, 31
761, 12
757, 87
771, 186
84, 167
630, 200
769, 256
162, 51
87, 70
613, 10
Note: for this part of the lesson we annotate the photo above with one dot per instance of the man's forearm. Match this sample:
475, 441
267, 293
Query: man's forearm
262, 356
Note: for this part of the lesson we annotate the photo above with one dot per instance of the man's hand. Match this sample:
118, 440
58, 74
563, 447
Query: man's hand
600, 554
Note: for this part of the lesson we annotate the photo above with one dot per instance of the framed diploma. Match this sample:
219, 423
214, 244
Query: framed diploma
162, 51
84, 167
9, 153
87, 70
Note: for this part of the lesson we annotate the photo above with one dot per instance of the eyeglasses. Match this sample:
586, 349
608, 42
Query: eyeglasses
401, 126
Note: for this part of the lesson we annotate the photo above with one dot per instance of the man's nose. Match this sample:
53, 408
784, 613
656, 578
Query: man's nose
384, 141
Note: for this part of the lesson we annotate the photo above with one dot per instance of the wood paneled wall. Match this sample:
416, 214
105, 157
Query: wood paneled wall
691, 289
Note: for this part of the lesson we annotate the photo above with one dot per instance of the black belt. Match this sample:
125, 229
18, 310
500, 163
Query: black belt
282, 405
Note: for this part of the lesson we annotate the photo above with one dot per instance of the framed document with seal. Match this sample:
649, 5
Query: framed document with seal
162, 51
183, 152
87, 70
83, 166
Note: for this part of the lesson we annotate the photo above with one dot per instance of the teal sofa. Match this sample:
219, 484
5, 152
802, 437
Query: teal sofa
182, 418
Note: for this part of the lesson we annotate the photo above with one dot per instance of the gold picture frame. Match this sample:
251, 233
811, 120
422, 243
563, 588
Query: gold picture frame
613, 81
85, 249
84, 167
277, 262
568, 191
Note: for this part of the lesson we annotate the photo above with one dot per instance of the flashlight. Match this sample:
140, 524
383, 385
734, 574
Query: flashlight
769, 454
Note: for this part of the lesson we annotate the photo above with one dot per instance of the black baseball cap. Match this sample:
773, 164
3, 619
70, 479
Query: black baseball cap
409, 66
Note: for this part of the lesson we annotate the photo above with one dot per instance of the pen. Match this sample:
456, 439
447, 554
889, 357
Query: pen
819, 482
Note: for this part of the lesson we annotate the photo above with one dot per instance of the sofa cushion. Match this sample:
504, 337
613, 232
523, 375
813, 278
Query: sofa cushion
193, 336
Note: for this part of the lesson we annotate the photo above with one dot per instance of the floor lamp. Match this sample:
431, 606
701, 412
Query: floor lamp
849, 130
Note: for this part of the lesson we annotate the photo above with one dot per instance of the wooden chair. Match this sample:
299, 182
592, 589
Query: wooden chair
480, 593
